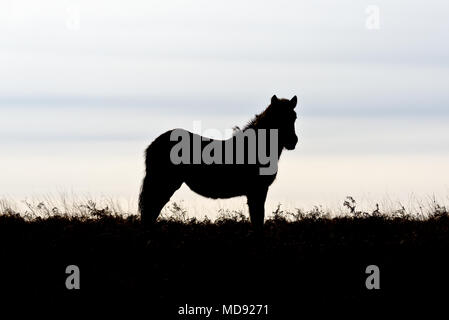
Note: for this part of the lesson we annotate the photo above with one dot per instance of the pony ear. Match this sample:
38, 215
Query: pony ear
293, 102
274, 99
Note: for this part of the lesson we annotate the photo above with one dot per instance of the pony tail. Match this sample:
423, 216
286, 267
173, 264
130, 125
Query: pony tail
142, 197
144, 189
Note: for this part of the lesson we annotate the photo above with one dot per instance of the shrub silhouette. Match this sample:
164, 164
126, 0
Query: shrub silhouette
304, 256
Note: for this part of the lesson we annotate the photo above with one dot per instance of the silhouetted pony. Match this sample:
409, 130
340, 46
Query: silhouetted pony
223, 178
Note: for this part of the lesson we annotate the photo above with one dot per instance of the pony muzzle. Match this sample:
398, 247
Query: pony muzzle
291, 145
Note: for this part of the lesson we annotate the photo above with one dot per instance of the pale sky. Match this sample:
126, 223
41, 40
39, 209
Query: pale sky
86, 85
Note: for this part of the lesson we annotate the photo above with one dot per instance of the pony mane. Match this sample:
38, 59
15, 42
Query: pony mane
254, 123
260, 120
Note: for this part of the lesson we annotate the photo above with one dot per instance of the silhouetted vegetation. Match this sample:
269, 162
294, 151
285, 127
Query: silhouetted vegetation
303, 258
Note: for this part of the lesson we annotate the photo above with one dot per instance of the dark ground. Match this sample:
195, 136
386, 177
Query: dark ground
309, 263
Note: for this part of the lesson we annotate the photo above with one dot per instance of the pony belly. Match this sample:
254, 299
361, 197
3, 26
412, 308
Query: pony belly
214, 190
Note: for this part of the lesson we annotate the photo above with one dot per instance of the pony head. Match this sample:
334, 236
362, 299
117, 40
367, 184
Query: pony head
284, 117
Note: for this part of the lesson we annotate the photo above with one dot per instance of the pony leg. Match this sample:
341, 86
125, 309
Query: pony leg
155, 194
256, 206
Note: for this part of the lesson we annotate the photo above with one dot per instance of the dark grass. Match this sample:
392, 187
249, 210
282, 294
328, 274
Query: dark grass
301, 261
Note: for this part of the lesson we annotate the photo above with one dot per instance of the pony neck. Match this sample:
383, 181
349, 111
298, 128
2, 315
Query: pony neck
262, 125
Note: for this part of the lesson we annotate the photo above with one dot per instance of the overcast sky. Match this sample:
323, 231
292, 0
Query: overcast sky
86, 85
